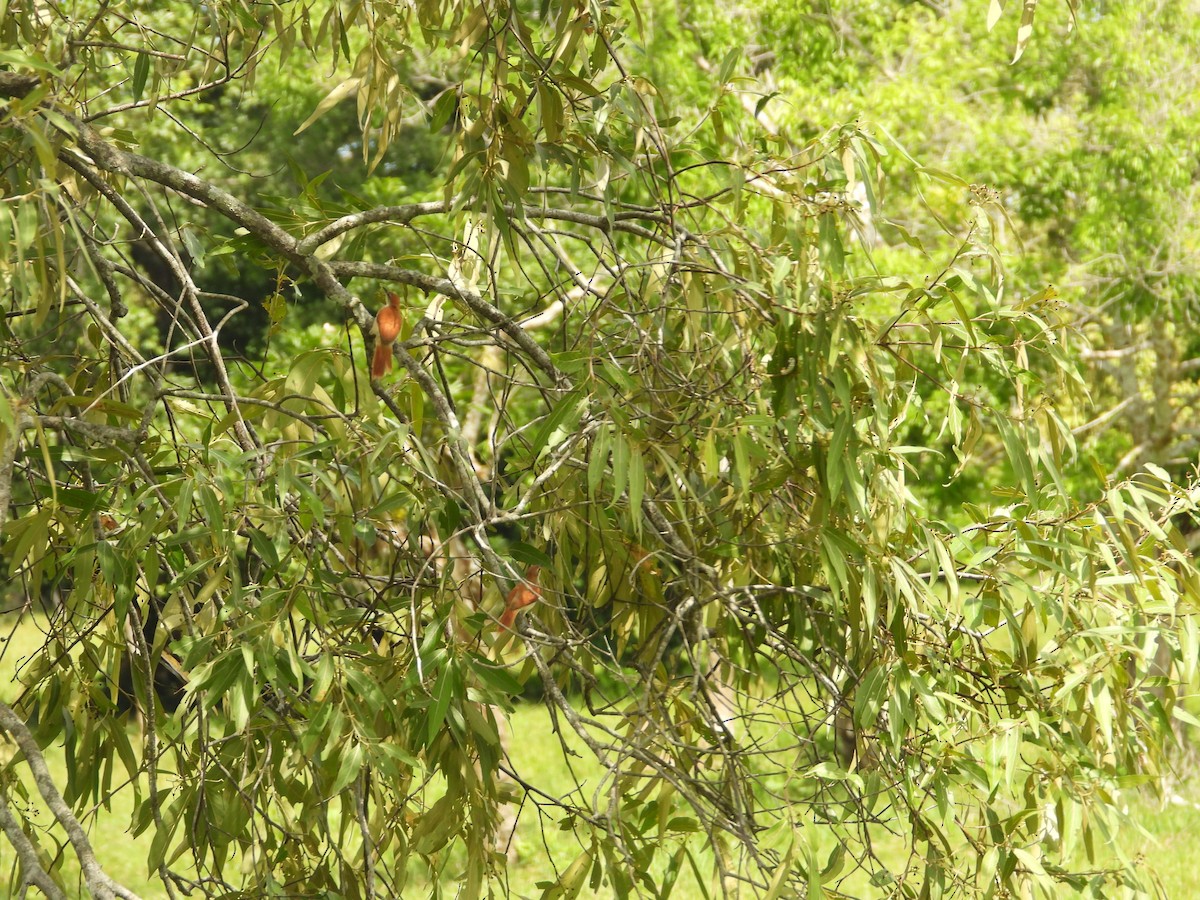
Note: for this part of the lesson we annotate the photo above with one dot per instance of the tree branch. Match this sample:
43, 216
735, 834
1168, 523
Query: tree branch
98, 882
14, 84
32, 872
625, 220
475, 302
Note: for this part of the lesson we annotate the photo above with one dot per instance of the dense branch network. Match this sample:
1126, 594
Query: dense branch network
95, 156
662, 418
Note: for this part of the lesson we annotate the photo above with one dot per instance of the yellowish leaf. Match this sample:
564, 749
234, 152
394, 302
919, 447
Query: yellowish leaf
994, 13
334, 97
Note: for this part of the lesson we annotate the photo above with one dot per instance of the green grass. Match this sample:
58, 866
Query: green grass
541, 846
1172, 841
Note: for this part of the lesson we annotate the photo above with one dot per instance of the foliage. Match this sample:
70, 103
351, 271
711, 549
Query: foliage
648, 350
1088, 142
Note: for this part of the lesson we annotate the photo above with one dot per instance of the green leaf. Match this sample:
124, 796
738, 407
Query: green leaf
264, 547
141, 71
598, 458
443, 693
727, 65
443, 108
497, 678
1018, 456
551, 105
620, 466
350, 765
561, 421
21, 59
833, 254
870, 696
836, 461
531, 556
637, 485
572, 880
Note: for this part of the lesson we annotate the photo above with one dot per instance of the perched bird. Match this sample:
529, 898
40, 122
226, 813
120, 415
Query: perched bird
386, 330
526, 592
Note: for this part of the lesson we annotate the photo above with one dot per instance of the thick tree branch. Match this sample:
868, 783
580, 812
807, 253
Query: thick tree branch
112, 159
16, 84
98, 882
32, 872
325, 275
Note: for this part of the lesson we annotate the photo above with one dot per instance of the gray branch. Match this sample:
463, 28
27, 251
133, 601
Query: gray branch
15, 84
32, 872
625, 220
99, 883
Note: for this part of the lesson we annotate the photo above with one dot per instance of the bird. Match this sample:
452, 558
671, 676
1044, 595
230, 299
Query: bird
526, 592
387, 328
169, 681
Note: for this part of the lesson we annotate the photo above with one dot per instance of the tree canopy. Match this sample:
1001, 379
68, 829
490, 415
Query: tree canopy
725, 427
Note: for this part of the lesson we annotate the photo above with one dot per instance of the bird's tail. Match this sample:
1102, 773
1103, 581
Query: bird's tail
381, 362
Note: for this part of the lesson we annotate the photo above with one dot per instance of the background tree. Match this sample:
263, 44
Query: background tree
660, 371
1087, 140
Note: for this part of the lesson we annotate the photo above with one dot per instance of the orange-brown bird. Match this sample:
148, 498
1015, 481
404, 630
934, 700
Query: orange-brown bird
526, 592
386, 330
